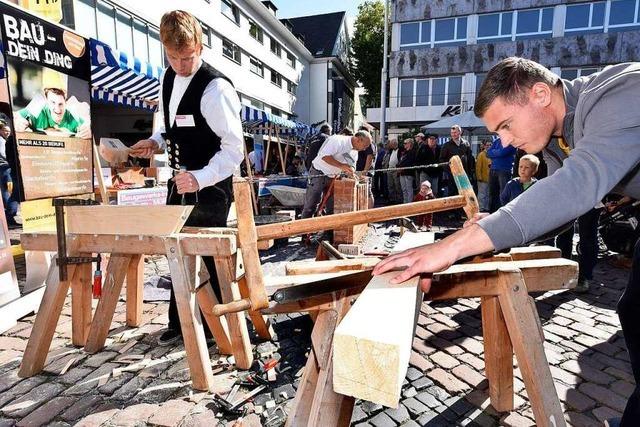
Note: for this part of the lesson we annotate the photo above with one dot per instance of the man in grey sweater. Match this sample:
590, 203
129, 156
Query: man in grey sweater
598, 152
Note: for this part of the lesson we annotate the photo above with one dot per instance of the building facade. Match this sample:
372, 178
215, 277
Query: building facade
441, 51
243, 39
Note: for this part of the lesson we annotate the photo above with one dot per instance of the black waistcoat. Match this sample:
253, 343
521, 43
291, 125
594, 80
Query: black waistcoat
193, 146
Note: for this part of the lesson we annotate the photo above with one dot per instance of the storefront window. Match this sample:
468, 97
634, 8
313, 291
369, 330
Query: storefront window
106, 24
406, 93
124, 33
85, 17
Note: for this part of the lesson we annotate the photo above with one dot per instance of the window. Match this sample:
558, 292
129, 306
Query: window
534, 23
256, 32
574, 73
436, 91
231, 51
292, 88
276, 111
230, 10
84, 11
495, 26
452, 31
247, 100
276, 78
623, 14
155, 47
276, 49
140, 43
291, 60
106, 23
256, 67
206, 35
584, 18
124, 32
479, 80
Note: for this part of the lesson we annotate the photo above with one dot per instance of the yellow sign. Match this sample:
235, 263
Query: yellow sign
49, 9
38, 215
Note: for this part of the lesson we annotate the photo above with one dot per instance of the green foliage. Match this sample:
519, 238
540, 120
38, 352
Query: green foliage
367, 45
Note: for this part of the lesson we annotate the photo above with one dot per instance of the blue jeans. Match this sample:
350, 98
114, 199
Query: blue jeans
497, 181
406, 183
10, 205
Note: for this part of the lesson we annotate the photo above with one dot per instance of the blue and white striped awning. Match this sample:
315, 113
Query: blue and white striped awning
256, 121
122, 79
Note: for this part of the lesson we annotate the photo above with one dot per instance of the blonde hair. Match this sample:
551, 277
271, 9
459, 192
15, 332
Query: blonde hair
531, 159
179, 30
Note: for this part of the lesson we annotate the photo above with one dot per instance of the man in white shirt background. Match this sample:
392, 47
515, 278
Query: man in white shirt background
337, 155
202, 133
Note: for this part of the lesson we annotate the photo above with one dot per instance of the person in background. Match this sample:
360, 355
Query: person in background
6, 182
407, 160
430, 155
482, 176
380, 178
425, 222
527, 168
500, 171
458, 146
393, 179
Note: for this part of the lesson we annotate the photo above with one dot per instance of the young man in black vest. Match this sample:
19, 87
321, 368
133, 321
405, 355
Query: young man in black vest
202, 133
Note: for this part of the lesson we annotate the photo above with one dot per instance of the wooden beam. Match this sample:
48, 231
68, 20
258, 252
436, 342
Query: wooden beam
35, 354
126, 220
329, 222
247, 241
135, 287
476, 280
217, 324
372, 344
104, 194
111, 287
195, 342
522, 320
330, 266
498, 355
81, 295
192, 244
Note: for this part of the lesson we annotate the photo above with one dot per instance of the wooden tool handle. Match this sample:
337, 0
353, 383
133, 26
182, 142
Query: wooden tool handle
464, 187
232, 307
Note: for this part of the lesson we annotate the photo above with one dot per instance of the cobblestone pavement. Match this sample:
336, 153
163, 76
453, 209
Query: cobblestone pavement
445, 384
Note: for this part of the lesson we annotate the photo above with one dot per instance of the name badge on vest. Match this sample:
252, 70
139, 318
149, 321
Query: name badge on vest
185, 120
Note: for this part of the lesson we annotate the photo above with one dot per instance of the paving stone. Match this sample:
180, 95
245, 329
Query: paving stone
428, 399
582, 420
470, 376
420, 362
573, 398
409, 392
477, 363
97, 418
440, 393
587, 372
414, 406
12, 343
32, 400
47, 412
447, 380
517, 420
382, 420
8, 380
171, 413
470, 344
358, 414
90, 382
427, 418
443, 360
604, 413
134, 415
399, 414
413, 374
604, 396
422, 383
370, 407
82, 407
623, 388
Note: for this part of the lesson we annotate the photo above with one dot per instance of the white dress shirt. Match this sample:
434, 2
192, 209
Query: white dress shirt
220, 107
393, 158
340, 148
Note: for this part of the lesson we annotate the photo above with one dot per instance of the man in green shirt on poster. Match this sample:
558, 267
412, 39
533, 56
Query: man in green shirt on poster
53, 115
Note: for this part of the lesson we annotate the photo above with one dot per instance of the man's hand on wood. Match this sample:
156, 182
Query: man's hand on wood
145, 148
186, 183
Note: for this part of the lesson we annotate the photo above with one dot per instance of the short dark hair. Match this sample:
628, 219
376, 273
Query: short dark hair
325, 128
508, 79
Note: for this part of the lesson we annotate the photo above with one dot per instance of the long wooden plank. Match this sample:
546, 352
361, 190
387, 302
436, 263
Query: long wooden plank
475, 280
261, 323
522, 319
195, 343
126, 220
238, 333
192, 244
330, 266
498, 355
111, 287
35, 354
81, 295
135, 287
247, 241
329, 222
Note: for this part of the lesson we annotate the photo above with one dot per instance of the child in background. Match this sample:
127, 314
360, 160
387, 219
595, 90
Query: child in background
527, 167
424, 222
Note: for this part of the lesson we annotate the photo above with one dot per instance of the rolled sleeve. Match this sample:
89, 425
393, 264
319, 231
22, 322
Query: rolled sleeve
220, 107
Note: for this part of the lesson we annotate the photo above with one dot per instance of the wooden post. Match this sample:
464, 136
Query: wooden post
195, 342
217, 324
81, 295
254, 198
498, 355
521, 318
247, 241
282, 160
268, 152
104, 195
111, 287
135, 287
226, 271
35, 354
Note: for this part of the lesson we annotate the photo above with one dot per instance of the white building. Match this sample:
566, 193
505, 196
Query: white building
243, 39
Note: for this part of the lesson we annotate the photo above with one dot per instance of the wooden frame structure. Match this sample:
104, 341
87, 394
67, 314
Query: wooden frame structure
509, 317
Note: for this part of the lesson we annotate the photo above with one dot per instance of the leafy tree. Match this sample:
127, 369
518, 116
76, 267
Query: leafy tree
367, 45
